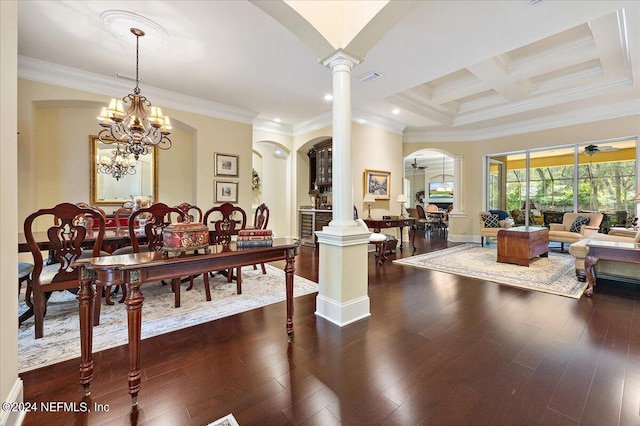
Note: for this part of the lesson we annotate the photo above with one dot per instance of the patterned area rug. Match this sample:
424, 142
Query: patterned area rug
555, 274
61, 336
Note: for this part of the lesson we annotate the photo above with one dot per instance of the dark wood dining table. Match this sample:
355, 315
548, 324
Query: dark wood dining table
112, 237
133, 270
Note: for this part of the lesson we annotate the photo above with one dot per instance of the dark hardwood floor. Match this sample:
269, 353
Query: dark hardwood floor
438, 349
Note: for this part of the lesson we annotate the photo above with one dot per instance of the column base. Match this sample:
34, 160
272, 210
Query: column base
342, 314
343, 276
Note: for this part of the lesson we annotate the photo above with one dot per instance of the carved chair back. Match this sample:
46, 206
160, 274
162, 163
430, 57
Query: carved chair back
66, 238
152, 220
261, 219
124, 211
224, 222
192, 213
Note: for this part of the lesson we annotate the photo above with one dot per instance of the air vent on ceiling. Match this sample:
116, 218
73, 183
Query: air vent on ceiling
532, 2
370, 77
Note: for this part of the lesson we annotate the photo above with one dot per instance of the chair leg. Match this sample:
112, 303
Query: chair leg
190, 283
239, 280
264, 270
175, 286
29, 302
207, 288
39, 311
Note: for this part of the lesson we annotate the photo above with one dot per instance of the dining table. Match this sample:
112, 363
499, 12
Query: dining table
134, 270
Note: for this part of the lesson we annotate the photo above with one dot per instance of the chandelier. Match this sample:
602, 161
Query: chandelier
443, 187
142, 126
119, 165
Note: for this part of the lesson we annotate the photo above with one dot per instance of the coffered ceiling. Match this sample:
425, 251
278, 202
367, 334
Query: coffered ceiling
451, 69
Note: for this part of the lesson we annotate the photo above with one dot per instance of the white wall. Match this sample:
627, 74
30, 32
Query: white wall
10, 384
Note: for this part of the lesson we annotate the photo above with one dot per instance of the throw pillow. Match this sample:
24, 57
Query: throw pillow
491, 221
502, 215
577, 224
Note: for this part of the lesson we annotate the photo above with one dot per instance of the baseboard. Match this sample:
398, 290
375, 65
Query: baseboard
463, 238
342, 314
12, 417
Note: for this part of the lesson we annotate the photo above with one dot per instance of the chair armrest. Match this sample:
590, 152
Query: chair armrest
589, 230
556, 227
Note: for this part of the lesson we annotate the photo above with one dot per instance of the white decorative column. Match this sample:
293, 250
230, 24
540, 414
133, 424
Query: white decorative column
458, 207
343, 272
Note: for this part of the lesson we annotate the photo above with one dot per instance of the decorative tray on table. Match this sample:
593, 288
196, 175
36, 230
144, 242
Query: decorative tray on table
183, 236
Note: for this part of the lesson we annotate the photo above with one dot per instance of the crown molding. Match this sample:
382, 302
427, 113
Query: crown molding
603, 112
319, 122
262, 125
357, 115
72, 78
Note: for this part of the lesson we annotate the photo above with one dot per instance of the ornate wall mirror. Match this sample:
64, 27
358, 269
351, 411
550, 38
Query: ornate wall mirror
105, 189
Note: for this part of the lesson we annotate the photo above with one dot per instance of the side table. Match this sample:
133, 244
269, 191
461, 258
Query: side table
608, 250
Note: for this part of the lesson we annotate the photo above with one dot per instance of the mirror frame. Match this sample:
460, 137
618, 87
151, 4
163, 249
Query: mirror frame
93, 174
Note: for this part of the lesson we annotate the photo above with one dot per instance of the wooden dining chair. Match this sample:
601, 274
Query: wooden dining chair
225, 226
121, 213
191, 213
261, 221
65, 238
150, 223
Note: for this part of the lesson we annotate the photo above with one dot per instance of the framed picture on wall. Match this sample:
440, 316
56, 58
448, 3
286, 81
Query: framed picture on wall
226, 192
377, 183
226, 164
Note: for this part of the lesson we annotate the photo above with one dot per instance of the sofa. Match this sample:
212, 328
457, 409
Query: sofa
574, 227
609, 268
491, 222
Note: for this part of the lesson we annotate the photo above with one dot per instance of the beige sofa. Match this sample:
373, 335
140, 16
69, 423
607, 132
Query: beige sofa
561, 232
491, 232
615, 269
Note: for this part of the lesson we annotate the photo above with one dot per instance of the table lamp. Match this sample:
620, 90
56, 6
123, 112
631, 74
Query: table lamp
369, 198
402, 199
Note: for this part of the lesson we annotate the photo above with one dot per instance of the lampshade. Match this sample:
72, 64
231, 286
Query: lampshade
637, 198
532, 206
401, 198
369, 198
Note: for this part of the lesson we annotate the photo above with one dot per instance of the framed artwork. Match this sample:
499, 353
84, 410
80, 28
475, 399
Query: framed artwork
226, 165
226, 192
377, 183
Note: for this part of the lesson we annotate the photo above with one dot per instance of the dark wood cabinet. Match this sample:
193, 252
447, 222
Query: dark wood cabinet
320, 167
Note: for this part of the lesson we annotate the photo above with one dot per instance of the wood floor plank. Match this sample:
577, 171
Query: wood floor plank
438, 349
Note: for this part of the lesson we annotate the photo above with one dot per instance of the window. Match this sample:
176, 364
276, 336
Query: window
574, 178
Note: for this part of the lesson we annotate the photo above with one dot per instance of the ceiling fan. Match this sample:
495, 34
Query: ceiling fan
416, 166
592, 150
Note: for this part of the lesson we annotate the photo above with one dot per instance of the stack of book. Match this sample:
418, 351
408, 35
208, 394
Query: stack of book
255, 238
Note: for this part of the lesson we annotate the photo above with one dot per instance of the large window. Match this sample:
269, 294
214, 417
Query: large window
598, 177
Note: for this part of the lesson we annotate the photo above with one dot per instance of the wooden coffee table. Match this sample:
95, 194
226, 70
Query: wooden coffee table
522, 243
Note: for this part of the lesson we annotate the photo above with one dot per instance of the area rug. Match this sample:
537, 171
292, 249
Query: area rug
555, 274
61, 336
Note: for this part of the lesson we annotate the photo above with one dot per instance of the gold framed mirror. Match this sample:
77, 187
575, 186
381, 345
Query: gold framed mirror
105, 189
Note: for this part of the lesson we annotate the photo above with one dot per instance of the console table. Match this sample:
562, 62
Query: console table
133, 270
608, 250
378, 224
